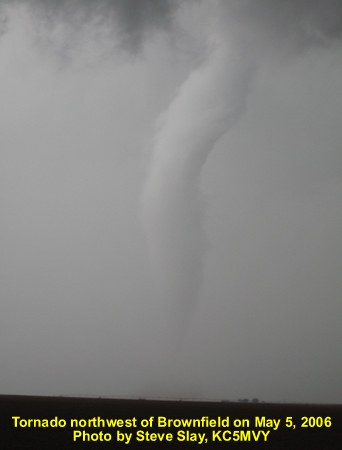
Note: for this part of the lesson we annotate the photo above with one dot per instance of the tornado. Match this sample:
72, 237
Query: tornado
207, 105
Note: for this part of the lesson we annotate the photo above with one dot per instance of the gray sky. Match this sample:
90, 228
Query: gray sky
171, 199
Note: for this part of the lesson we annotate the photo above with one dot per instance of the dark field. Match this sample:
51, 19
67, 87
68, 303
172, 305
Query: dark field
316, 435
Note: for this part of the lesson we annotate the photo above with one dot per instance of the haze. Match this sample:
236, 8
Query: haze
171, 199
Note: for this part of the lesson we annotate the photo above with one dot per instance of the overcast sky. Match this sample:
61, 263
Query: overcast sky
171, 199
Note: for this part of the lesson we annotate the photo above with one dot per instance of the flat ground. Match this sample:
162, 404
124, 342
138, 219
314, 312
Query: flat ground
323, 428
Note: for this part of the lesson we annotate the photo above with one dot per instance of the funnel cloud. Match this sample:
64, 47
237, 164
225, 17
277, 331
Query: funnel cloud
208, 104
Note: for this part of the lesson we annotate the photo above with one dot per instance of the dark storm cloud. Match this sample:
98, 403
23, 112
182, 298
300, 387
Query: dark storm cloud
137, 17
133, 20
293, 23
